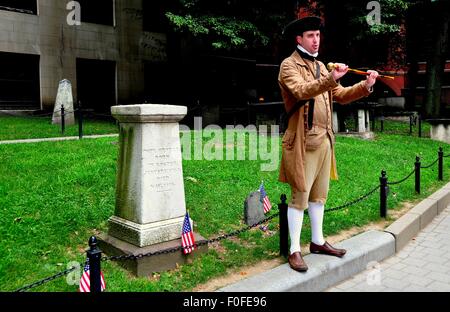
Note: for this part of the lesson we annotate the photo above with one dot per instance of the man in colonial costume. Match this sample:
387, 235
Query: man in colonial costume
308, 162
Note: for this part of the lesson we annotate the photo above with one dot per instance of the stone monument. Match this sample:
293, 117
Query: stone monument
64, 97
440, 129
150, 199
253, 209
362, 121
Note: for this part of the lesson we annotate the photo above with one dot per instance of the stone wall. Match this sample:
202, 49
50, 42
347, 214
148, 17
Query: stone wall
58, 44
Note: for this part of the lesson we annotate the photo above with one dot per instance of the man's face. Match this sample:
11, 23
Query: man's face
310, 41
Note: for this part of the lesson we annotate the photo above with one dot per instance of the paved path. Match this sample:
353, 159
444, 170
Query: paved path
58, 139
423, 265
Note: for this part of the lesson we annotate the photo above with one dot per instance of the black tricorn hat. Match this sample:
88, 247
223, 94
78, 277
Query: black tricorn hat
299, 26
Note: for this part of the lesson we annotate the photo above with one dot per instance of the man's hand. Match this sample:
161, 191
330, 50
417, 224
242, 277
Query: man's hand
339, 71
371, 79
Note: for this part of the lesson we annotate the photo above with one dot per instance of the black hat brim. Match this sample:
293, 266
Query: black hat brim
298, 27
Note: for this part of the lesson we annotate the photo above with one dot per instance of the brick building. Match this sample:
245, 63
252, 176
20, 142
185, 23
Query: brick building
113, 57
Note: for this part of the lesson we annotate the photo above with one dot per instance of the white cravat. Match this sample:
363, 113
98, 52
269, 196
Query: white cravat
304, 51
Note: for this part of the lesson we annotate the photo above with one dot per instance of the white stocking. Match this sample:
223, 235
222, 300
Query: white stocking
316, 211
295, 222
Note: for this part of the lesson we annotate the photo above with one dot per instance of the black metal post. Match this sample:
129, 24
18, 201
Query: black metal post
80, 121
440, 164
417, 170
410, 123
94, 255
383, 194
382, 123
283, 208
420, 125
63, 120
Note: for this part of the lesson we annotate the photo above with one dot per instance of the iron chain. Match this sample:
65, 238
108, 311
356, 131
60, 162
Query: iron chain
30, 117
68, 113
402, 180
359, 199
179, 248
40, 116
430, 165
96, 114
409, 175
46, 280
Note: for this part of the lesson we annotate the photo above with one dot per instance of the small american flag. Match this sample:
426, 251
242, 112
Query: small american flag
85, 282
187, 237
265, 199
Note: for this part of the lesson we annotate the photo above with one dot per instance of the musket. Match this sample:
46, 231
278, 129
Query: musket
332, 66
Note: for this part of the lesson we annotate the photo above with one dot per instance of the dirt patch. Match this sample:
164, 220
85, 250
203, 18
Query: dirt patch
234, 276
406, 206
238, 275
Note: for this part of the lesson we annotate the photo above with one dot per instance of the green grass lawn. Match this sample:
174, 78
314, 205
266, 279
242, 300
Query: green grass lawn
398, 127
55, 195
391, 125
16, 128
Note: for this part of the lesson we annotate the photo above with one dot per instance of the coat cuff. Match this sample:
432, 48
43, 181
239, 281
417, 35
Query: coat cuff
364, 89
330, 82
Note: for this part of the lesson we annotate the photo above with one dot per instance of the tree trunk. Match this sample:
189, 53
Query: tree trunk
436, 62
413, 47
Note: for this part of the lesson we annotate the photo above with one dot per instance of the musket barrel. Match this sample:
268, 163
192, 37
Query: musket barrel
332, 66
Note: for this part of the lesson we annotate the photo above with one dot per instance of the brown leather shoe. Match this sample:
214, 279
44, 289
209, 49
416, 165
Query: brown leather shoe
326, 249
297, 263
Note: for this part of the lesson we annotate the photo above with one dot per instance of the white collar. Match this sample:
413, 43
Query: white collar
304, 51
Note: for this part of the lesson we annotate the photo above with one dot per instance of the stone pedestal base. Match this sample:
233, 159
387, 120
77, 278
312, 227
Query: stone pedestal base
145, 234
145, 266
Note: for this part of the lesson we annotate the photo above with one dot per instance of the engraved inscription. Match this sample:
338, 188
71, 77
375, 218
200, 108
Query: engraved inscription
161, 168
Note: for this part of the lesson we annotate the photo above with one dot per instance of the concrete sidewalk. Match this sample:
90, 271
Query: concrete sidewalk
368, 250
423, 265
71, 138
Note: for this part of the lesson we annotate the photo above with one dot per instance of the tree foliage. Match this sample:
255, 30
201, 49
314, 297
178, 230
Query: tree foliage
392, 15
228, 32
228, 24
353, 35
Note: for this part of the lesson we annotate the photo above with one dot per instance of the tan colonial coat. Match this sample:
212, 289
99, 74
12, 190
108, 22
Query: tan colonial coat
297, 82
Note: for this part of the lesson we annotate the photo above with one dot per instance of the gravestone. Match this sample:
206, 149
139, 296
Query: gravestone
362, 123
335, 122
150, 199
64, 97
253, 209
367, 121
361, 120
398, 102
440, 129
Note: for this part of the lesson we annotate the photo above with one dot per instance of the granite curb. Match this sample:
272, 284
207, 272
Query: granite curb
324, 271
416, 219
363, 249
